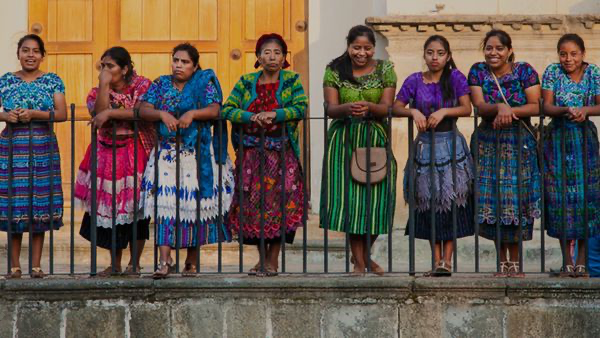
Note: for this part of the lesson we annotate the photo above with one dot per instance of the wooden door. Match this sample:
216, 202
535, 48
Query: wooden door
75, 35
77, 32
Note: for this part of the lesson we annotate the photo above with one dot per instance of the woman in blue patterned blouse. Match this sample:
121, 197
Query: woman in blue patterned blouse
29, 98
571, 91
188, 100
506, 94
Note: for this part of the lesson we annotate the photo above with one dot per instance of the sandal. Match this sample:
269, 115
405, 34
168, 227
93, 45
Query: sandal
255, 270
130, 272
271, 271
164, 269
37, 273
189, 270
567, 271
15, 273
108, 272
581, 271
504, 270
513, 270
442, 269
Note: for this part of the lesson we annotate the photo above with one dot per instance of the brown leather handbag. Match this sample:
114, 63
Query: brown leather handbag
377, 166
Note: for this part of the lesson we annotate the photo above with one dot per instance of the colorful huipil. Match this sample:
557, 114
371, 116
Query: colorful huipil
201, 90
285, 97
47, 202
343, 200
568, 93
428, 98
124, 176
512, 221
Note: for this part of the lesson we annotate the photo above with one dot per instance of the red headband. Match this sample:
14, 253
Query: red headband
273, 36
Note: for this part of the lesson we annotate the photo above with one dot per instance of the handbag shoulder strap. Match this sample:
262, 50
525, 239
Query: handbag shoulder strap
499, 88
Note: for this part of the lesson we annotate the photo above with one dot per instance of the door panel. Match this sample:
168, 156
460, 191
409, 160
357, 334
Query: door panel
77, 32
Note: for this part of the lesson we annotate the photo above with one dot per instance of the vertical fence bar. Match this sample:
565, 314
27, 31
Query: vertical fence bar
113, 229
51, 244
9, 215
324, 182
72, 237
498, 200
563, 191
347, 159
368, 214
411, 197
454, 215
388, 173
134, 239
155, 190
543, 189
261, 169
475, 152
220, 193
283, 196
240, 186
177, 192
305, 121
30, 210
522, 227
199, 196
585, 192
432, 194
94, 197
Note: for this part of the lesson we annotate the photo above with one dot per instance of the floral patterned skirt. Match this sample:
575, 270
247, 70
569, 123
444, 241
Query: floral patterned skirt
278, 176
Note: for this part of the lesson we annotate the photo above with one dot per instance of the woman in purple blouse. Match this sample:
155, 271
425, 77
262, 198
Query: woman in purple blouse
437, 97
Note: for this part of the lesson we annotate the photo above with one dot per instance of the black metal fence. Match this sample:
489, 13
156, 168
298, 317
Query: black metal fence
74, 257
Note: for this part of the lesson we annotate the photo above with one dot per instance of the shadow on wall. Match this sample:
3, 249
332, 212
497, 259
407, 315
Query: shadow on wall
585, 7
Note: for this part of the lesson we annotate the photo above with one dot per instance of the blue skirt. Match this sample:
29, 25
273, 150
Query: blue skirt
45, 184
575, 183
517, 206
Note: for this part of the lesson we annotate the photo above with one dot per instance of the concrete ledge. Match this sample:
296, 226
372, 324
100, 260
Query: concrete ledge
300, 306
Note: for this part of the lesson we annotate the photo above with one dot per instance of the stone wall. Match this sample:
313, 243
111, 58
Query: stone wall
234, 306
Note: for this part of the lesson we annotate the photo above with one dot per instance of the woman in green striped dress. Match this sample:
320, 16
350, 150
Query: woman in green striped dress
356, 86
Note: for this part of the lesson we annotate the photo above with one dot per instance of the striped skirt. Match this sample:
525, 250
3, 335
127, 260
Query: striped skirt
514, 222
573, 210
44, 149
445, 191
343, 200
210, 229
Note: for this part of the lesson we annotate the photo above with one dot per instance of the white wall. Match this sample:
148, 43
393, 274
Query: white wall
521, 7
329, 22
13, 25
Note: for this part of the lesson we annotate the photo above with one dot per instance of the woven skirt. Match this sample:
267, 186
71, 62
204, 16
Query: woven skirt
45, 184
446, 192
211, 226
276, 180
570, 217
345, 204
124, 178
498, 169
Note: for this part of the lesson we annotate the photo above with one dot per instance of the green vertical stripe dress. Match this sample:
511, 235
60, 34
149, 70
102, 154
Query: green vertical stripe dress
343, 200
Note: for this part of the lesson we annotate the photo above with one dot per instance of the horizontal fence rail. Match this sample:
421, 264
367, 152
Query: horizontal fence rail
316, 249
